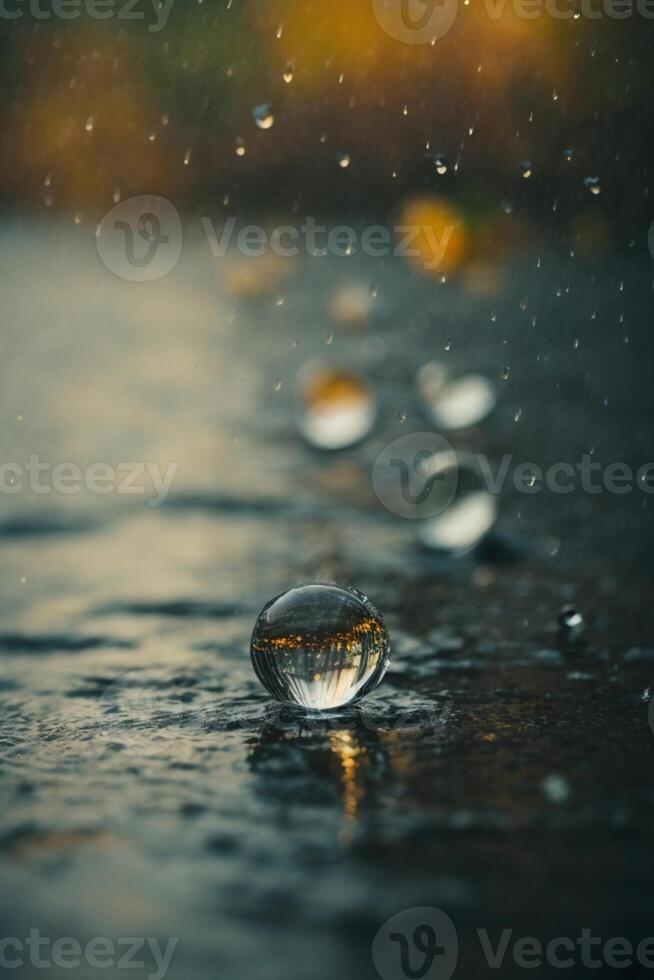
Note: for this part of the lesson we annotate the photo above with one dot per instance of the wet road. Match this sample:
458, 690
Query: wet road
149, 787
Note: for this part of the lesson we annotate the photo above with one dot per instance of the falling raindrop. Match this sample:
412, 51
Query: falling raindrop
505, 373
288, 72
320, 646
344, 160
526, 169
90, 123
240, 147
278, 385
336, 408
593, 185
263, 116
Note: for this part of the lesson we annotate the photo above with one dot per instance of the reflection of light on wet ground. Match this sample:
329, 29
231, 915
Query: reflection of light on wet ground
344, 745
231, 846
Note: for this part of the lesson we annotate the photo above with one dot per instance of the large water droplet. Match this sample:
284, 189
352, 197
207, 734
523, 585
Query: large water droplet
337, 408
458, 402
320, 646
469, 517
441, 163
263, 116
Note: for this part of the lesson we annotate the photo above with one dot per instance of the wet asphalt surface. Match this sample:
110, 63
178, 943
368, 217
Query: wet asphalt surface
502, 773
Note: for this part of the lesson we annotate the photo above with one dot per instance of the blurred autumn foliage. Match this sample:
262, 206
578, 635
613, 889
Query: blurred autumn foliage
95, 111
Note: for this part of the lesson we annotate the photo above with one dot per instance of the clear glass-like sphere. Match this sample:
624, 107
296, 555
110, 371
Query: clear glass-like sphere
320, 646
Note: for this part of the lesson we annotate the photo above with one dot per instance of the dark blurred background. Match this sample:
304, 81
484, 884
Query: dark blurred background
95, 111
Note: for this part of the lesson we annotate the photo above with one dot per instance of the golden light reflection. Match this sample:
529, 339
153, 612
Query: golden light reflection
439, 235
330, 387
349, 642
348, 752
